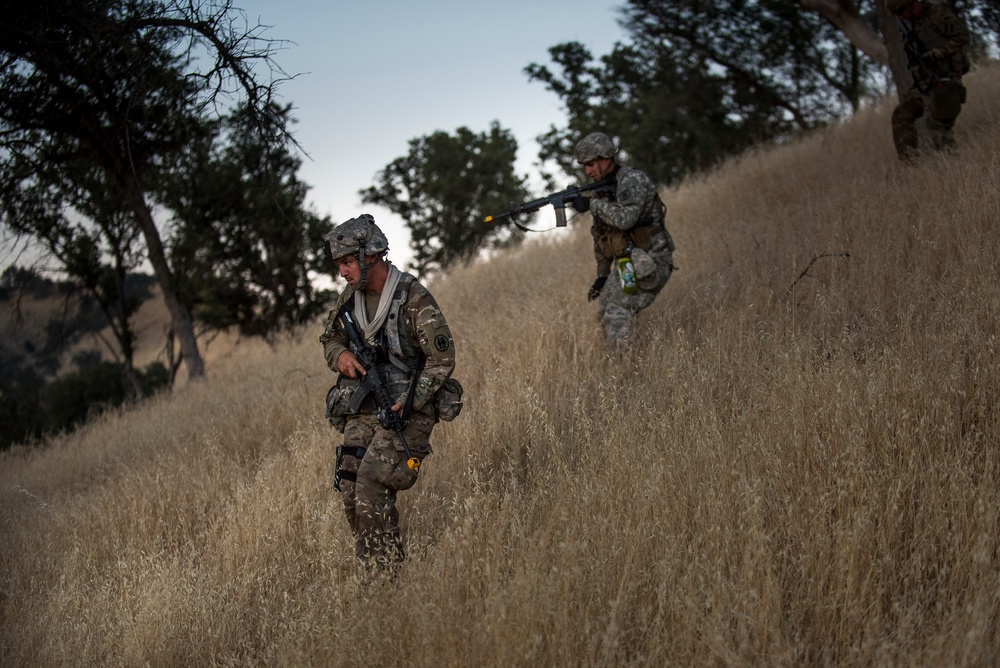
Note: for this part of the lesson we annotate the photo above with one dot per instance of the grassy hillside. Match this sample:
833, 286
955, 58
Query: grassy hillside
796, 466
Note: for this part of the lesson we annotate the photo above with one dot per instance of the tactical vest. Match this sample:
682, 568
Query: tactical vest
615, 241
399, 360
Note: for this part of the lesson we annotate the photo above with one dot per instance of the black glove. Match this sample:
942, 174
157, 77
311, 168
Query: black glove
580, 204
595, 289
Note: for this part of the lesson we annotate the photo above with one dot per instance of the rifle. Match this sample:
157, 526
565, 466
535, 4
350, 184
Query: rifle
373, 384
922, 71
557, 200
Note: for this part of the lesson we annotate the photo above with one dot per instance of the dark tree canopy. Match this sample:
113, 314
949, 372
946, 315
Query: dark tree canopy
104, 94
444, 188
703, 80
700, 80
244, 244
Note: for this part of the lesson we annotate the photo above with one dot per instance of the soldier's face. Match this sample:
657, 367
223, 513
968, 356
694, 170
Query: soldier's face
350, 270
598, 168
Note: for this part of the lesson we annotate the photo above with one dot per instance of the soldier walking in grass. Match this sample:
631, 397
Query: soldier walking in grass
631, 240
936, 43
409, 344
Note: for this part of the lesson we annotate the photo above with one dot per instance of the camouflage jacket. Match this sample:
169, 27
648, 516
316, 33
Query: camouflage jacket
940, 30
631, 215
418, 332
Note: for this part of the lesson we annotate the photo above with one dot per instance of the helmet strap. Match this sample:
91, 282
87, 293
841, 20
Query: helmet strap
364, 267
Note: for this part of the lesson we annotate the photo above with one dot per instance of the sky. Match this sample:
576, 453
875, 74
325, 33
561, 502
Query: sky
373, 75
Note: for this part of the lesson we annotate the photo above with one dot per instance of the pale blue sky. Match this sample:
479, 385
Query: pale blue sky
374, 75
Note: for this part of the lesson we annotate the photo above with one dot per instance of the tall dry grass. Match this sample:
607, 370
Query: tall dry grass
797, 465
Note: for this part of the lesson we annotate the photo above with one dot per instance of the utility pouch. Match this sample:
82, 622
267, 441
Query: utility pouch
448, 400
338, 402
641, 236
646, 274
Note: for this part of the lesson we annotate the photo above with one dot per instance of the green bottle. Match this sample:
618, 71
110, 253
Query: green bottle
626, 272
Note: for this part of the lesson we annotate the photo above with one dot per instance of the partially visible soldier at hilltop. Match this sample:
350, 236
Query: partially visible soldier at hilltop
936, 42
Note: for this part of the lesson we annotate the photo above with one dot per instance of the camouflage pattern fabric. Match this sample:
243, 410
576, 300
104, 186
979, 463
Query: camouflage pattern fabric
593, 146
423, 328
635, 214
618, 311
347, 238
370, 501
940, 40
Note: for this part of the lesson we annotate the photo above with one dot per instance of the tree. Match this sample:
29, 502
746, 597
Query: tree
244, 244
123, 86
703, 80
670, 118
983, 17
444, 188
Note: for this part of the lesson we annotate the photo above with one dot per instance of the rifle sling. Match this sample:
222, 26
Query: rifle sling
416, 371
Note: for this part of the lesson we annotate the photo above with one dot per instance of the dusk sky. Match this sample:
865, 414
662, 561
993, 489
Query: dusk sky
374, 75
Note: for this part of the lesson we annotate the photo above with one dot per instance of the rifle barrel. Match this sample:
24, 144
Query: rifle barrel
557, 199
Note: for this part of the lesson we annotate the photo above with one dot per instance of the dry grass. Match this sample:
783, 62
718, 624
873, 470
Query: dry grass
790, 469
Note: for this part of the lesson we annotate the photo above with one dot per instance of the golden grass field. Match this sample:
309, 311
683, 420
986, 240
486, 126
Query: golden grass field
798, 464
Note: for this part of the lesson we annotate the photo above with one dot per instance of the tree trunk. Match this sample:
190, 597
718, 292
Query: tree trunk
893, 34
181, 322
844, 15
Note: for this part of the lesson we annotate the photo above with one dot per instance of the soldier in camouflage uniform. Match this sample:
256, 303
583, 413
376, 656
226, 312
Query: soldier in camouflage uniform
936, 43
416, 354
626, 223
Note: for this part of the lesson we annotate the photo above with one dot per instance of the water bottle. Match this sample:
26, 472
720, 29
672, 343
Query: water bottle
626, 272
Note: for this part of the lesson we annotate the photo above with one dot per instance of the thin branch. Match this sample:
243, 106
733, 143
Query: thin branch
805, 272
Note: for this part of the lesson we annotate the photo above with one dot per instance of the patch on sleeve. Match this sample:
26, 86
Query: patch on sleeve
624, 195
442, 342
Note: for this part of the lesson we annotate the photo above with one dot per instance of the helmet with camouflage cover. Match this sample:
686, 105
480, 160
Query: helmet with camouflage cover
358, 236
593, 146
896, 6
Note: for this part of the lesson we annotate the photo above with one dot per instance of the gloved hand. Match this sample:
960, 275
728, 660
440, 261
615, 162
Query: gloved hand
595, 289
580, 204
933, 54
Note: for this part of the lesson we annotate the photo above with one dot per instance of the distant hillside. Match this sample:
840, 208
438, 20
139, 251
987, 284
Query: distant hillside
49, 326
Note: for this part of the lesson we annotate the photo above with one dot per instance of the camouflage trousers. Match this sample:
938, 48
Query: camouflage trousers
618, 311
943, 101
370, 500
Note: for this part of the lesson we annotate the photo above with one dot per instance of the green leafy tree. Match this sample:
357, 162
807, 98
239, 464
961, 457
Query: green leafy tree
670, 118
122, 86
71, 400
244, 244
445, 187
703, 80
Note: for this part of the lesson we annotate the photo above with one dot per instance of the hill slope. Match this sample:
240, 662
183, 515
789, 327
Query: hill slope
797, 465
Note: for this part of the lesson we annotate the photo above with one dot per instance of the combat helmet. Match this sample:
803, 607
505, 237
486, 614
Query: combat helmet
358, 236
593, 146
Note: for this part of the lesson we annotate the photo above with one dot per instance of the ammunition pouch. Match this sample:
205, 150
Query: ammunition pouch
338, 402
645, 269
945, 103
448, 400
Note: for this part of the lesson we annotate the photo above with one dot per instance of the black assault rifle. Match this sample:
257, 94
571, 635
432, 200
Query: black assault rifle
923, 69
558, 201
373, 384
